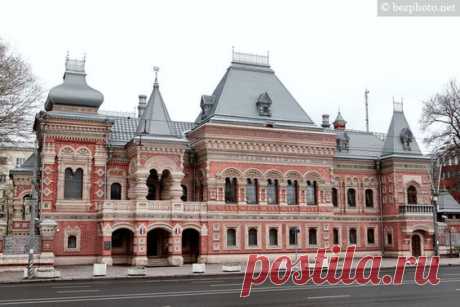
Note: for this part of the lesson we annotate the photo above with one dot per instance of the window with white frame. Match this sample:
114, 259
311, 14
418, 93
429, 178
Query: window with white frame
231, 237
273, 236
312, 236
252, 237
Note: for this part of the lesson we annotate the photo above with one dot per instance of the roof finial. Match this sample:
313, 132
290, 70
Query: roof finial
156, 69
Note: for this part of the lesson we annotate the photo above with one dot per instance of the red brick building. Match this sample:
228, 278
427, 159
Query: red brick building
252, 174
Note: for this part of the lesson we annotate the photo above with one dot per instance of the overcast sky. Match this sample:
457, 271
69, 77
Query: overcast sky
325, 52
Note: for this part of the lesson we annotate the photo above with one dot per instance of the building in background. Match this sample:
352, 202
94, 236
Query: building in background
252, 174
11, 156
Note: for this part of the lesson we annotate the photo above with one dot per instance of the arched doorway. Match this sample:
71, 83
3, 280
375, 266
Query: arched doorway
158, 247
122, 246
416, 244
190, 245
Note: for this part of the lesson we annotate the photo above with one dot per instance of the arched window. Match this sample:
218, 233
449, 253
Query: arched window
273, 236
272, 192
153, 184
184, 193
231, 237
231, 186
335, 235
115, 191
72, 241
311, 193
292, 192
370, 236
353, 237
369, 198
73, 184
312, 236
411, 195
252, 191
351, 196
335, 198
252, 237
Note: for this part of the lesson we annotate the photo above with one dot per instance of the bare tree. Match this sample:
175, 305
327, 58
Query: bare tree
441, 117
20, 95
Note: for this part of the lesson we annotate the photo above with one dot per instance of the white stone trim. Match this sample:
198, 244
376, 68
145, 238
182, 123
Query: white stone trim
246, 236
72, 231
237, 236
300, 236
279, 236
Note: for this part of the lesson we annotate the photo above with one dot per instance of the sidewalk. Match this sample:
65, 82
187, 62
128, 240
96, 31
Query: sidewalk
85, 272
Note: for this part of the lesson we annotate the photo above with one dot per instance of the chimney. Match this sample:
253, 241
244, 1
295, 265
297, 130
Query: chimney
325, 123
141, 106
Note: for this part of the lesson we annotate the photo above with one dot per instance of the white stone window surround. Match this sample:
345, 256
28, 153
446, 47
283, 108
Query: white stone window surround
74, 159
72, 231
116, 179
237, 234
246, 236
389, 230
318, 235
374, 199
376, 236
339, 233
300, 236
278, 227
357, 234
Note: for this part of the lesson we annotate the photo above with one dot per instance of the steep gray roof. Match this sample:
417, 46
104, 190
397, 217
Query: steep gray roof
124, 129
447, 203
235, 97
26, 167
362, 145
155, 118
394, 141
74, 91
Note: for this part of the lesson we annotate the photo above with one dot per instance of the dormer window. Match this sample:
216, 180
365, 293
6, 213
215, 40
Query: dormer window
343, 142
406, 138
206, 105
263, 104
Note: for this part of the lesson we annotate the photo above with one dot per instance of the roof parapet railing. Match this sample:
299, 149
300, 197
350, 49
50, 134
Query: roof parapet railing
75, 65
250, 58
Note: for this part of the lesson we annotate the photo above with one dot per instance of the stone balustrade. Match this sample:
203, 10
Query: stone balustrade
151, 206
416, 209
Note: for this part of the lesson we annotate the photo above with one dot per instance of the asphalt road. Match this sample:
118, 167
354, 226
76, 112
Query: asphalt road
225, 290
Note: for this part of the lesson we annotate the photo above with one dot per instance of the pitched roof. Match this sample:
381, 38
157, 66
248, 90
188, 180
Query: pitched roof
447, 202
155, 120
361, 144
26, 167
398, 132
124, 129
236, 96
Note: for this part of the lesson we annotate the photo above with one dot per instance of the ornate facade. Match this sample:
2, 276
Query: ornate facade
252, 174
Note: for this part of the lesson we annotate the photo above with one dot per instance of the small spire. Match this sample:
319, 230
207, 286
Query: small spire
156, 69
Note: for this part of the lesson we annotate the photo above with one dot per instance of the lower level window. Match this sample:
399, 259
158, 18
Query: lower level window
72, 242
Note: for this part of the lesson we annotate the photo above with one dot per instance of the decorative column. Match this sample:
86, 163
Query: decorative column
140, 188
203, 244
48, 229
3, 227
106, 245
140, 247
176, 188
175, 247
262, 192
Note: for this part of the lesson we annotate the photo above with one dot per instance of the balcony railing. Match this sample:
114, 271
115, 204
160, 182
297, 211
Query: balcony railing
416, 209
132, 206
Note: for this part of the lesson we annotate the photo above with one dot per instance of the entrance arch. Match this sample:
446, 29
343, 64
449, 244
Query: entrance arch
158, 247
190, 245
122, 246
416, 245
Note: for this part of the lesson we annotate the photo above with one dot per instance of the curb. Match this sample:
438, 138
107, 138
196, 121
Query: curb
183, 276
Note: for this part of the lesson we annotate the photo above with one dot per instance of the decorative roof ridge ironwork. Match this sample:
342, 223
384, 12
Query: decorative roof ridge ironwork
250, 58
